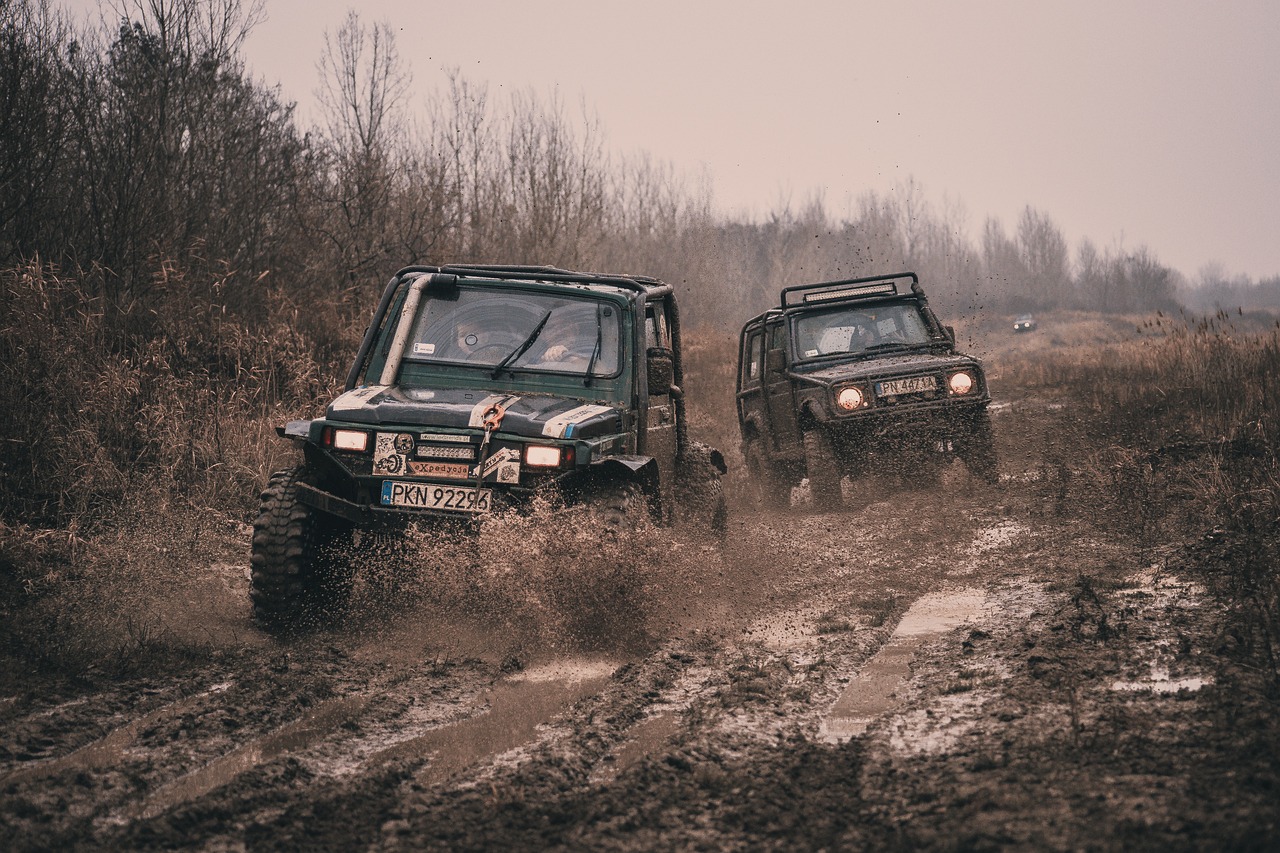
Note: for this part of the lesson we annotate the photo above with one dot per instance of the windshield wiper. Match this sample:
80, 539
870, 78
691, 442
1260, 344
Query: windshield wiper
524, 346
891, 345
595, 353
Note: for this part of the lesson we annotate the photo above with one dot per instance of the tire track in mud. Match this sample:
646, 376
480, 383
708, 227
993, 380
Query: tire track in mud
109, 750
758, 636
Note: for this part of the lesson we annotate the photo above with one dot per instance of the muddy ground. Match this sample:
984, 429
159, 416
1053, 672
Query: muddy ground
974, 667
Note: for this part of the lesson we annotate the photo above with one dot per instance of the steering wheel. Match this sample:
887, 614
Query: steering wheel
490, 353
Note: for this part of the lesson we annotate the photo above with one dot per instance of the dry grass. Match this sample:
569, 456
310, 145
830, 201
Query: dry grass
120, 421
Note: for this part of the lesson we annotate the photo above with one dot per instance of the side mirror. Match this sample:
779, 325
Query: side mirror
775, 361
662, 371
951, 334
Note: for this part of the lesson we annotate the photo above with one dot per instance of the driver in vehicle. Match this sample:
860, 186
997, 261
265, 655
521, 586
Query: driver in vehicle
567, 343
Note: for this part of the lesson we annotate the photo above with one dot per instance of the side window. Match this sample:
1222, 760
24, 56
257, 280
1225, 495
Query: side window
655, 327
778, 337
751, 358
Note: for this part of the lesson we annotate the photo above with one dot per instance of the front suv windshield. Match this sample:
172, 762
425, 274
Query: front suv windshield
507, 329
840, 331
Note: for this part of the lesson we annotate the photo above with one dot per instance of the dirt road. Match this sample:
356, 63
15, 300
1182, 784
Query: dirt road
969, 668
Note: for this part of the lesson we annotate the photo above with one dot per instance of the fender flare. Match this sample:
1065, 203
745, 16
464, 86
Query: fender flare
641, 469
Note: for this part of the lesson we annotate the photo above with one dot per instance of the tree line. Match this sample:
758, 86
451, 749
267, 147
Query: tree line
144, 143
184, 265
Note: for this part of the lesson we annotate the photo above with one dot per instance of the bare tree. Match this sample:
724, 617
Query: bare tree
1044, 254
363, 84
34, 126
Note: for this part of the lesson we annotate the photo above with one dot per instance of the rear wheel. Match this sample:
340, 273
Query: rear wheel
301, 571
699, 492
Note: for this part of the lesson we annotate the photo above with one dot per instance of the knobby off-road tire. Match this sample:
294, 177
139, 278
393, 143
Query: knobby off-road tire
617, 507
979, 451
772, 490
300, 576
699, 492
822, 469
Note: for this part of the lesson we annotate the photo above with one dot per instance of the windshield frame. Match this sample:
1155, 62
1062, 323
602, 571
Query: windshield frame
422, 369
915, 335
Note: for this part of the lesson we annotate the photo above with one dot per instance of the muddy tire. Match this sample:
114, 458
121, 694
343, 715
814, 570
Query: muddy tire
979, 451
300, 577
617, 507
822, 469
773, 491
699, 492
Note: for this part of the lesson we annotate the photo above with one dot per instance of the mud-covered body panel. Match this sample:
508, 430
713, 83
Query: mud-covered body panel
492, 383
530, 415
866, 363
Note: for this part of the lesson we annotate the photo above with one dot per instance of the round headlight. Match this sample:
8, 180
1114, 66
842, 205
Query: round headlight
849, 398
960, 383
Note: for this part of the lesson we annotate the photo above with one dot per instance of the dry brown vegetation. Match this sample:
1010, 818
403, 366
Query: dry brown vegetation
173, 288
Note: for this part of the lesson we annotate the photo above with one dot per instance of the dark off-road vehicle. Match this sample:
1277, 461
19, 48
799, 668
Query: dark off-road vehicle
857, 377
476, 388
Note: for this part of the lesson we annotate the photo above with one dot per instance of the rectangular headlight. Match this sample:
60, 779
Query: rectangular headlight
541, 456
351, 439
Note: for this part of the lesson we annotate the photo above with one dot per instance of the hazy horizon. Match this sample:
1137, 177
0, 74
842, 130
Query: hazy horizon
1129, 124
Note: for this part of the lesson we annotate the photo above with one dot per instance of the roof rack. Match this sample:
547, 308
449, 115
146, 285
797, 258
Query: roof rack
849, 289
643, 284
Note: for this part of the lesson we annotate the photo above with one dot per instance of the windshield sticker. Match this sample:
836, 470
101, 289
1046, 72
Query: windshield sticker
424, 349
559, 426
480, 409
356, 398
809, 353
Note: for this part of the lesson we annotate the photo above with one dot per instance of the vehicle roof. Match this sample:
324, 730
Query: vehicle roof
847, 291
650, 287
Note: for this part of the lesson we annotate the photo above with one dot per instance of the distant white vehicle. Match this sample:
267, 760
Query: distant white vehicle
1024, 323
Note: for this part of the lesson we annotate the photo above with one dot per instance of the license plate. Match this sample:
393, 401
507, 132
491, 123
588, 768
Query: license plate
434, 496
914, 385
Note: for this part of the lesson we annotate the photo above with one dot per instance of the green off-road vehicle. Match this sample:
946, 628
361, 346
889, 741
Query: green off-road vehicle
855, 378
475, 389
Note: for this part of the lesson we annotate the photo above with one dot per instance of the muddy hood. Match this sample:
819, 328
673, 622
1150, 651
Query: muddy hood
877, 368
534, 415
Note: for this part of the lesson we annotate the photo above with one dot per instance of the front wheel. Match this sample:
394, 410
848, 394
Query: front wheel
772, 488
823, 469
301, 571
979, 451
617, 507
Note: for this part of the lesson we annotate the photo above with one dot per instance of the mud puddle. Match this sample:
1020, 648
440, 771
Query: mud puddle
110, 749
319, 723
872, 693
516, 707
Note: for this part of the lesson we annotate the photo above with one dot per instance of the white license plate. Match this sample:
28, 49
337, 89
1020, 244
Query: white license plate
435, 496
914, 385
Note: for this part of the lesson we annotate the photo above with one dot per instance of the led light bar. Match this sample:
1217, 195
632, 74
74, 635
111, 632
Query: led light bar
851, 293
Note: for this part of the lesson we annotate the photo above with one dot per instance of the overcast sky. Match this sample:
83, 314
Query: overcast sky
1150, 123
